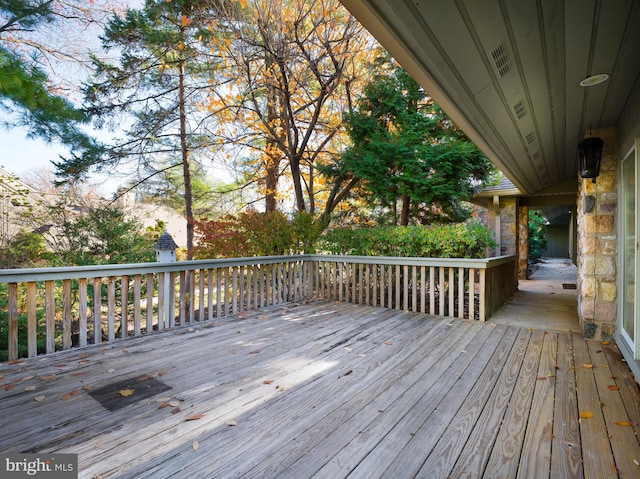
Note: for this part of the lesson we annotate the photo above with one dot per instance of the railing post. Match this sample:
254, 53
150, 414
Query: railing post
483, 294
166, 253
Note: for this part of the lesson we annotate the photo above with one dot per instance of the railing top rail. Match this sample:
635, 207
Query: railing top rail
415, 261
102, 271
97, 271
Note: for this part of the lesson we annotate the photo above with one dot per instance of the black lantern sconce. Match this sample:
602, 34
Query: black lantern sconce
590, 150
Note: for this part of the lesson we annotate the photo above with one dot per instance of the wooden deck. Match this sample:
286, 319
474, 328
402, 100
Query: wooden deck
332, 390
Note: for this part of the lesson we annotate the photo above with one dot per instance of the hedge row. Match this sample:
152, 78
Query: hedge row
467, 240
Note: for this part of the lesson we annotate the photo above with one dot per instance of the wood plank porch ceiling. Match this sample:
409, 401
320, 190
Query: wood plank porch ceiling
334, 390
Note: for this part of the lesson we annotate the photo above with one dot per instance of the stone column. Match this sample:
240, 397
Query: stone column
597, 245
523, 242
508, 226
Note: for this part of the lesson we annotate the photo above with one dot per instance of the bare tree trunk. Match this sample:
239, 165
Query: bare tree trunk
186, 172
406, 204
273, 154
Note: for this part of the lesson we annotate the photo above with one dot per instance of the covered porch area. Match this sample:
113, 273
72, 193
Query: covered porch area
326, 388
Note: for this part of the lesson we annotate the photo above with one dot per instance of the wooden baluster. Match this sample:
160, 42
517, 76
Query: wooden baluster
32, 320
210, 294
451, 293
432, 290
13, 321
50, 314
442, 291
97, 310
137, 309
423, 289
150, 296
472, 293
124, 307
66, 314
461, 272
111, 308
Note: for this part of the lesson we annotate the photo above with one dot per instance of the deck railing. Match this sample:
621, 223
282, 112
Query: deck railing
51, 309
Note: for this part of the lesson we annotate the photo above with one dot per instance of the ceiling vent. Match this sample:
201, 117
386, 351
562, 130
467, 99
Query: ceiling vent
501, 59
530, 138
518, 108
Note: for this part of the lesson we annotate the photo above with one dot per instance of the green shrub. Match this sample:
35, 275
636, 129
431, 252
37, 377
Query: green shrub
465, 240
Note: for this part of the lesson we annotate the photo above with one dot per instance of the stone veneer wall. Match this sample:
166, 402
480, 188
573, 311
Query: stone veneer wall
508, 226
523, 242
597, 245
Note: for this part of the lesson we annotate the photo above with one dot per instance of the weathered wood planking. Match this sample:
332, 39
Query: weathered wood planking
565, 449
357, 391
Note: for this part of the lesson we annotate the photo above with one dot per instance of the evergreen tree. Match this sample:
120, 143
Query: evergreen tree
24, 86
160, 84
405, 149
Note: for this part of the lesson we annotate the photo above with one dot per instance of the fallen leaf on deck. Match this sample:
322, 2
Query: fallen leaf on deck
126, 392
86, 387
163, 399
267, 381
231, 422
586, 415
1, 377
111, 370
125, 350
161, 373
599, 351
61, 365
9, 387
174, 403
388, 343
348, 372
255, 351
30, 388
587, 365
26, 378
195, 417
15, 361
163, 405
623, 423
45, 378
613, 388
39, 398
66, 397
176, 410
143, 378
195, 445
606, 343
541, 378
79, 374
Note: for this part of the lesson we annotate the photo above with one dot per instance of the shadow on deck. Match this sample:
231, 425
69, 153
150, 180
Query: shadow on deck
332, 390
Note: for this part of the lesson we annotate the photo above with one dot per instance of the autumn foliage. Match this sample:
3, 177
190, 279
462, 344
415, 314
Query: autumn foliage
256, 234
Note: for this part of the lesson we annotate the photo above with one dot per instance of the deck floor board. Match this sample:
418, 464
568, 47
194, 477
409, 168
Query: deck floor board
327, 389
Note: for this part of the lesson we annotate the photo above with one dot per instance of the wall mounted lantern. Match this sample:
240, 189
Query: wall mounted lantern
590, 150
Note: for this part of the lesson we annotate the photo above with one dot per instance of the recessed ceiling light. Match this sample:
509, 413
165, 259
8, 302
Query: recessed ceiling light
594, 79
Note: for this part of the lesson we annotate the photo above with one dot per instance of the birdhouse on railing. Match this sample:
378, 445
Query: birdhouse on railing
166, 249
